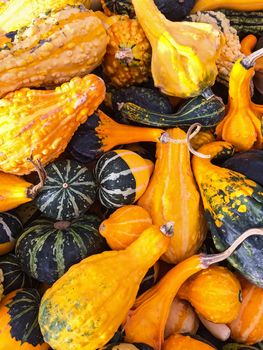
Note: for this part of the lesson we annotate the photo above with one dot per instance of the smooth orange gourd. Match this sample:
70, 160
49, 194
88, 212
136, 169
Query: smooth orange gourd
182, 342
215, 293
124, 226
172, 195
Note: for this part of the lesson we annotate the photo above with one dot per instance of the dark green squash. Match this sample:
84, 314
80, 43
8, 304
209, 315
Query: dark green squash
233, 204
175, 10
14, 277
127, 346
196, 110
47, 248
10, 229
234, 346
245, 22
68, 192
118, 7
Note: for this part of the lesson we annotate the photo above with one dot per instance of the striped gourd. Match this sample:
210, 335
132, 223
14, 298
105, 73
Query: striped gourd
47, 249
68, 192
14, 277
18, 322
245, 22
123, 177
10, 229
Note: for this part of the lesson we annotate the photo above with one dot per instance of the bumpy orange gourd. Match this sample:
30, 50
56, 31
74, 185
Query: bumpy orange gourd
182, 342
247, 328
77, 315
124, 226
172, 195
128, 56
215, 293
39, 124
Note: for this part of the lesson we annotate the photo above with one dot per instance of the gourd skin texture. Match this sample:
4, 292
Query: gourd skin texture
10, 230
52, 50
183, 53
172, 196
181, 342
233, 203
39, 124
77, 315
241, 5
215, 294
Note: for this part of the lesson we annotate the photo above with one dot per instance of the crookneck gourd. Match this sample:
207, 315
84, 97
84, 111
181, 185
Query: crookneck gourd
242, 124
172, 195
53, 49
38, 124
105, 300
183, 53
146, 320
233, 204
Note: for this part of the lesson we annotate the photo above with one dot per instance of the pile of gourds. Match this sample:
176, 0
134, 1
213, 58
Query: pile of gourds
131, 165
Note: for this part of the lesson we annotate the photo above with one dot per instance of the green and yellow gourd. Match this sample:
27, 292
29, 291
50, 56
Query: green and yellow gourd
10, 230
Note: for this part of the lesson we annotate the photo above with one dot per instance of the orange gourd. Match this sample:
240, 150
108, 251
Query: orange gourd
215, 294
172, 195
182, 342
124, 226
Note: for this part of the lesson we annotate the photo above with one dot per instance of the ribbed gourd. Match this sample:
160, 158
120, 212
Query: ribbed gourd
53, 49
10, 229
240, 5
38, 124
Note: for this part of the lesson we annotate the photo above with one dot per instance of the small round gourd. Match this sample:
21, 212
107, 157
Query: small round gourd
19, 321
181, 342
47, 248
123, 177
10, 229
127, 346
68, 192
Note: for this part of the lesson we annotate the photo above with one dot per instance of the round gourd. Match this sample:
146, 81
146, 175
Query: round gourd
18, 321
122, 176
127, 346
68, 192
10, 229
14, 277
181, 342
47, 248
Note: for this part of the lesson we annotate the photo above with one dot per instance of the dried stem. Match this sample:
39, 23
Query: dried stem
33, 191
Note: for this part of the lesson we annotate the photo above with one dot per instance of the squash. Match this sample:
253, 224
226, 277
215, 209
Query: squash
128, 56
247, 328
120, 7
240, 5
100, 134
18, 322
122, 177
182, 342
165, 198
218, 330
215, 294
147, 319
48, 52
233, 204
13, 276
10, 230
124, 226
68, 192
242, 125
103, 302
183, 53
235, 346
126, 346
40, 123
248, 44
207, 112
202, 138
48, 248
181, 319
175, 10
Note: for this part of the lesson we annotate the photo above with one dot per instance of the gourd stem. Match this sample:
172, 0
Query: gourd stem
33, 191
190, 134
250, 60
208, 260
125, 54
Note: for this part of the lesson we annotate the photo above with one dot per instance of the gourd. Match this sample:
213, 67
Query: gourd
49, 53
235, 346
240, 5
208, 113
182, 342
175, 10
233, 204
10, 229
100, 134
126, 346
68, 192
247, 327
215, 294
128, 56
202, 138
181, 319
183, 53
18, 322
165, 198
40, 123
146, 320
120, 7
103, 302
124, 226
48, 248
242, 125
13, 276
122, 177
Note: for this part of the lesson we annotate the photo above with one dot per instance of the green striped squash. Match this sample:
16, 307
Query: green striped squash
10, 229
68, 192
47, 248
